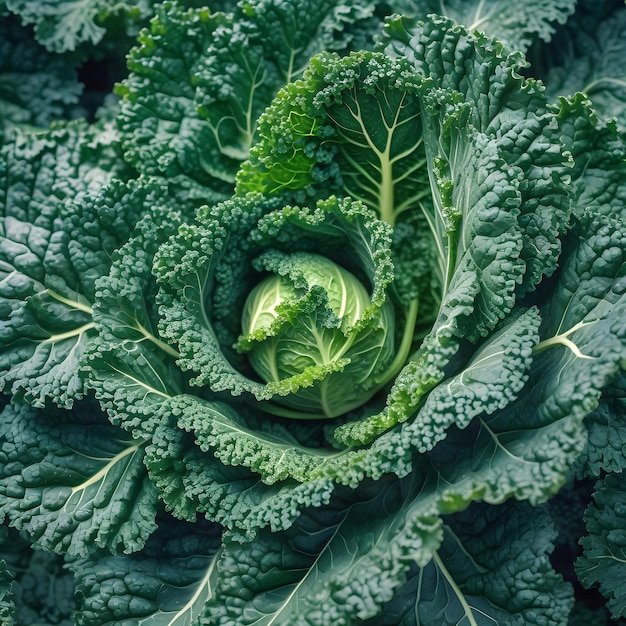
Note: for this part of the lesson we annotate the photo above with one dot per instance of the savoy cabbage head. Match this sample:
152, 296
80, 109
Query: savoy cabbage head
323, 322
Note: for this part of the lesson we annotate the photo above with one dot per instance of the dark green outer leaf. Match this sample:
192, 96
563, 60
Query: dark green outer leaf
606, 449
64, 26
501, 104
587, 56
36, 87
162, 133
166, 584
254, 53
53, 245
492, 567
598, 148
73, 482
517, 25
603, 562
351, 562
7, 606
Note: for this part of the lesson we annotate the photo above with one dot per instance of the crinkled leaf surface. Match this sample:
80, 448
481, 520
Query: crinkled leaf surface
166, 584
36, 87
257, 50
7, 605
517, 24
606, 448
65, 24
42, 587
599, 150
389, 559
587, 55
74, 482
199, 80
162, 133
497, 102
52, 248
130, 368
492, 567
604, 548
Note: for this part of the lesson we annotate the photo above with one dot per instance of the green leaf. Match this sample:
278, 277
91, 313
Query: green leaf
606, 449
53, 245
162, 133
65, 24
517, 25
586, 55
36, 87
205, 278
166, 584
42, 589
488, 95
7, 605
493, 567
199, 80
494, 375
73, 482
131, 369
604, 548
598, 148
191, 480
388, 557
352, 126
258, 49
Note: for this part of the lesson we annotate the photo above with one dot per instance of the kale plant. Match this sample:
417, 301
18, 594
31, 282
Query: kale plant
318, 317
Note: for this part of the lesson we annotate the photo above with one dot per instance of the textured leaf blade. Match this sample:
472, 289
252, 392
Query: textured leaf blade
604, 548
51, 249
517, 25
487, 555
166, 584
131, 369
586, 56
72, 482
63, 26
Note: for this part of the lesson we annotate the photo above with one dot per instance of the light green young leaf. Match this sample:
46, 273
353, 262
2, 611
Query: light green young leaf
205, 276
352, 126
73, 482
166, 584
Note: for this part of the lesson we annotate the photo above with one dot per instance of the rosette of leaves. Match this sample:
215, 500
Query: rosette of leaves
375, 357
449, 212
